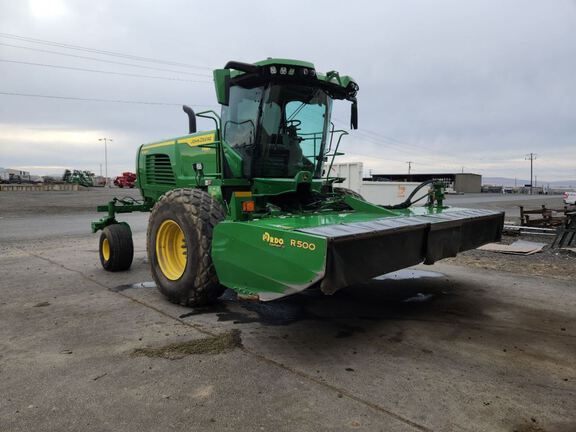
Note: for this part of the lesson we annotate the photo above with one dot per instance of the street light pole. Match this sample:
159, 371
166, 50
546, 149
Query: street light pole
106, 184
531, 157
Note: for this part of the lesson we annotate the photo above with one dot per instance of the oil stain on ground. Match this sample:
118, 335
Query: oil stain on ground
281, 312
218, 344
303, 306
120, 288
401, 292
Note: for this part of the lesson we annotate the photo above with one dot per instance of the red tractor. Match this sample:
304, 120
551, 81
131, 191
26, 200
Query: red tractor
127, 179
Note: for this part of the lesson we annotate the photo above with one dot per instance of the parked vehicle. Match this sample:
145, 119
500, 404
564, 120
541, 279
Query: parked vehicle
127, 179
83, 178
569, 198
252, 205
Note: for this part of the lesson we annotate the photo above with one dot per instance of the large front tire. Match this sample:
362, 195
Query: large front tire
179, 241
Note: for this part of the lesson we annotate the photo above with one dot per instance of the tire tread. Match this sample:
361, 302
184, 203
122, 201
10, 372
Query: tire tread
204, 212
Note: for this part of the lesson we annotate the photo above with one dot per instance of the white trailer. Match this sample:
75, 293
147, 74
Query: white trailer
377, 192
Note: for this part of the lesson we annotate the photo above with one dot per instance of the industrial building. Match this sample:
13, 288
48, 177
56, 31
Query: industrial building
9, 174
456, 182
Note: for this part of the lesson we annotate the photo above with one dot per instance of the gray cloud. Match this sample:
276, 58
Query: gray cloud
475, 84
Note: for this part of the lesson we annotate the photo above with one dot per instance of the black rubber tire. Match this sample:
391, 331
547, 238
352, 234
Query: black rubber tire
121, 248
197, 213
345, 191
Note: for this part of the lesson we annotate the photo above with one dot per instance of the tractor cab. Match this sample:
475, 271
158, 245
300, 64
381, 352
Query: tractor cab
276, 115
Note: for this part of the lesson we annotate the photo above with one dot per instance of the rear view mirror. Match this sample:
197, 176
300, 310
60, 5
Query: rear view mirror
354, 115
222, 84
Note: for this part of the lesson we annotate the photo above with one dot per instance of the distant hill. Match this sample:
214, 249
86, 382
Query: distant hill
505, 181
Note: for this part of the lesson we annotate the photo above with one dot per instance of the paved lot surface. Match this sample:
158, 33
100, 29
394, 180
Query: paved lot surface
441, 348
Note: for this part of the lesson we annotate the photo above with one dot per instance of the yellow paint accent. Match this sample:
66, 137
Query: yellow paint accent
243, 194
162, 144
302, 244
106, 249
273, 241
198, 140
171, 250
191, 141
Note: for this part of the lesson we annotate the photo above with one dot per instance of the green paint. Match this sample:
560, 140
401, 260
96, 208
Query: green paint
270, 146
365, 206
253, 258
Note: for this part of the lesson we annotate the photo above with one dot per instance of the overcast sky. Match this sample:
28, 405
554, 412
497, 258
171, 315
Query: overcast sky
449, 85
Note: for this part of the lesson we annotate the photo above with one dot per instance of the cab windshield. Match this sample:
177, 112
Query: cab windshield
279, 130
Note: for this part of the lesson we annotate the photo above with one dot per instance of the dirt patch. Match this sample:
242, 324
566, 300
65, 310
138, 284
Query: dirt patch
551, 263
209, 345
529, 428
42, 304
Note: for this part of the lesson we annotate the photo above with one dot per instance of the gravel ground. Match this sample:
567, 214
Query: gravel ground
442, 348
552, 263
508, 203
14, 204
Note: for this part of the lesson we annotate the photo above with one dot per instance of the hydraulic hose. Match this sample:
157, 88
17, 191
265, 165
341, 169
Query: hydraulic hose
408, 201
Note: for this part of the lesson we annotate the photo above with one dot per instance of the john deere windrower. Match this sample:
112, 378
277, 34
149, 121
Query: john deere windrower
250, 206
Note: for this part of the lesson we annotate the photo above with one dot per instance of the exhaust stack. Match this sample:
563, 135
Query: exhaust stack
191, 118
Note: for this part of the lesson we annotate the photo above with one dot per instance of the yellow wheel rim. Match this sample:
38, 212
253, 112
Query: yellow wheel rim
171, 249
105, 249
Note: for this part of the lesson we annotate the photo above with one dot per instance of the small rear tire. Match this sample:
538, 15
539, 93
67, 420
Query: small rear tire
116, 248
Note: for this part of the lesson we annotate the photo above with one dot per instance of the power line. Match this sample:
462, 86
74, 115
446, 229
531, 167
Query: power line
98, 51
393, 146
104, 61
432, 161
86, 99
405, 145
99, 71
374, 136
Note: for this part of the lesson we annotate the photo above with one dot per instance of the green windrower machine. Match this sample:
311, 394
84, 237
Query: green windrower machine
251, 205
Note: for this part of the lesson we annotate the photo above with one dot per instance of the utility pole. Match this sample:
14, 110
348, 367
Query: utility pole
106, 158
531, 158
409, 169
